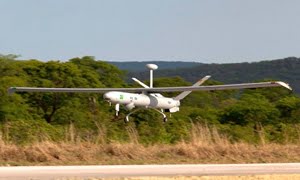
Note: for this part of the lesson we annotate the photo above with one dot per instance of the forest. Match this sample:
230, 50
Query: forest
255, 116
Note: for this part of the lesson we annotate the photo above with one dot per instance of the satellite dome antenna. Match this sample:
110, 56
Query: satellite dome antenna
151, 67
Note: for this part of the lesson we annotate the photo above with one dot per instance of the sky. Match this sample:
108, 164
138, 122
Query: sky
207, 31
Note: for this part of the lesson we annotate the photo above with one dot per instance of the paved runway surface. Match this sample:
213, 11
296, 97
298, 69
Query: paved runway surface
52, 172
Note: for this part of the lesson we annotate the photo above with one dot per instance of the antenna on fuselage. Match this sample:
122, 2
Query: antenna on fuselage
151, 67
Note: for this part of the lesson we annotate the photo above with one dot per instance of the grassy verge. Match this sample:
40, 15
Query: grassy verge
205, 146
49, 153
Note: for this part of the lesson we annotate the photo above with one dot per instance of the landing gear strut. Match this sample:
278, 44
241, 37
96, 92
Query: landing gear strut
117, 108
165, 119
126, 120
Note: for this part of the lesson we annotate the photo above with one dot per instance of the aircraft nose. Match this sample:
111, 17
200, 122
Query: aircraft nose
107, 96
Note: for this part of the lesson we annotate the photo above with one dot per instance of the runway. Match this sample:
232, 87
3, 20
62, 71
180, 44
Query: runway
99, 171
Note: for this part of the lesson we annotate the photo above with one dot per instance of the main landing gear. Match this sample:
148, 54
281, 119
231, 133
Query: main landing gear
126, 120
165, 119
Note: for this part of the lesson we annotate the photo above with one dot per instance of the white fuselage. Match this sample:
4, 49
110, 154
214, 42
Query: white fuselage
132, 100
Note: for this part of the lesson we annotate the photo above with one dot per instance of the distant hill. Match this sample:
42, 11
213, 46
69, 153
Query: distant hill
287, 70
137, 66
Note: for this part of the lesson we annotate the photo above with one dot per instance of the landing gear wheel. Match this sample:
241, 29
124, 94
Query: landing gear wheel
165, 120
126, 119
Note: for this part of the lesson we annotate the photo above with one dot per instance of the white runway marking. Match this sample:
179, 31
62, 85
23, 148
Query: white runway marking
52, 172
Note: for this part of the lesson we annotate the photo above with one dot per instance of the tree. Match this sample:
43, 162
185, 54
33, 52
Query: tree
108, 74
9, 56
251, 109
57, 74
288, 107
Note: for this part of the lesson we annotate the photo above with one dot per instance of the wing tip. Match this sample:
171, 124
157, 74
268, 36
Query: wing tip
283, 84
204, 78
11, 90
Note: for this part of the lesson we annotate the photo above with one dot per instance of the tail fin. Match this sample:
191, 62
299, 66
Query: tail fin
145, 86
185, 93
140, 83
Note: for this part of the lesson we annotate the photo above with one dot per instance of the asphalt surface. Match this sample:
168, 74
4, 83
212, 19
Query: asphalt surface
58, 172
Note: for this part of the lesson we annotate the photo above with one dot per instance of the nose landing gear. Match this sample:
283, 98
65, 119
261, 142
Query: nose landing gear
117, 108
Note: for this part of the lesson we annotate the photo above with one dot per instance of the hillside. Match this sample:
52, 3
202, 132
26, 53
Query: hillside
287, 70
137, 66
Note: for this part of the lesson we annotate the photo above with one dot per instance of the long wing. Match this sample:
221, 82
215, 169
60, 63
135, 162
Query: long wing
154, 90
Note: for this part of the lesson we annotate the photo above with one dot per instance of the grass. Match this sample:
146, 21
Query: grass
49, 153
205, 146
